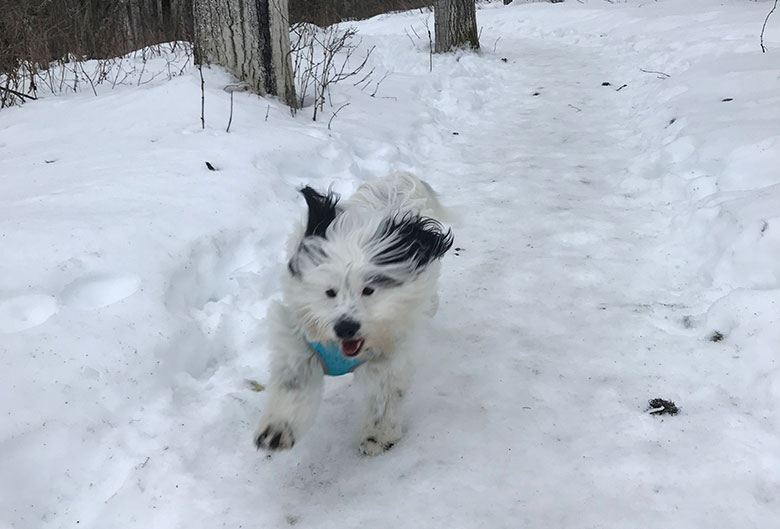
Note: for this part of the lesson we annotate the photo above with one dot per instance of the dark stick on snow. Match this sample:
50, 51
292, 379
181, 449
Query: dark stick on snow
18, 94
763, 28
661, 75
662, 407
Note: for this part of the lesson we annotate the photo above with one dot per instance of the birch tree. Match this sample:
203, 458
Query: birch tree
251, 39
455, 25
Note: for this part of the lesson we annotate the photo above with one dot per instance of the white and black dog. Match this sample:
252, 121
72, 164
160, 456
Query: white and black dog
360, 275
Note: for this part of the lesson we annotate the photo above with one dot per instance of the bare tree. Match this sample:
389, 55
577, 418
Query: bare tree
250, 38
324, 57
455, 25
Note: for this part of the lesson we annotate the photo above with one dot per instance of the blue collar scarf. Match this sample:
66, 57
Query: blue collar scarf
333, 362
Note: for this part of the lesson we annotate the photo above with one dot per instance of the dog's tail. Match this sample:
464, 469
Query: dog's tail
422, 190
440, 211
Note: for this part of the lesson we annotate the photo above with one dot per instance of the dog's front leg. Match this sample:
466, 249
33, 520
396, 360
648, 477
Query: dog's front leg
294, 397
385, 385
293, 400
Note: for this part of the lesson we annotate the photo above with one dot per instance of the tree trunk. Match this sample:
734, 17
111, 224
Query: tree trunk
166, 16
455, 24
251, 39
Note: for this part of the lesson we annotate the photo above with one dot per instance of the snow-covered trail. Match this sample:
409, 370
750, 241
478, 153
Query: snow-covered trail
548, 339
557, 325
529, 407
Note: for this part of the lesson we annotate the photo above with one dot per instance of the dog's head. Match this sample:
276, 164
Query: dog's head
360, 278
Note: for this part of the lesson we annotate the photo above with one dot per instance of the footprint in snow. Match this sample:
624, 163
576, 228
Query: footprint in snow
99, 290
18, 313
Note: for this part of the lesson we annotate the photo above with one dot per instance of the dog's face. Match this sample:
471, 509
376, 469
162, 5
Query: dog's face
357, 279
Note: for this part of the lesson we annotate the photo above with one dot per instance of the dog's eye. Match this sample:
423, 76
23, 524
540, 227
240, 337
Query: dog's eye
368, 291
330, 293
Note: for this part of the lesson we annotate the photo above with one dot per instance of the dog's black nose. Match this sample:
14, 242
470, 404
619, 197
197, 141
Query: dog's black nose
346, 329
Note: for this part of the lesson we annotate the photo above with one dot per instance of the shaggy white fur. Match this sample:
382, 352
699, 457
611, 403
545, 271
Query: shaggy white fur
361, 274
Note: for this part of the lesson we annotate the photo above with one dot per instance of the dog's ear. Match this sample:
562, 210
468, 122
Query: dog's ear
322, 211
413, 239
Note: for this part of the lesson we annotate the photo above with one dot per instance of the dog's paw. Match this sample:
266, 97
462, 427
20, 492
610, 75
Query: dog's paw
374, 445
274, 436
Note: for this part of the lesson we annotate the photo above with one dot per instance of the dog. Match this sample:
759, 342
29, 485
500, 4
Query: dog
360, 276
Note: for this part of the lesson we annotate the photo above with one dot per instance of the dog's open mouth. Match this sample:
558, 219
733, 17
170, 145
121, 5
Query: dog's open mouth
351, 347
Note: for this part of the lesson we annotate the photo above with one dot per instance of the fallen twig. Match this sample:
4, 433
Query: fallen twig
661, 75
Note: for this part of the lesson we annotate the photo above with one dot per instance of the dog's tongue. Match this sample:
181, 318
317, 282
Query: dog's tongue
350, 347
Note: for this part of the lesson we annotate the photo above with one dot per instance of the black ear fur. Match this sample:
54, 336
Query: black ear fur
414, 239
322, 211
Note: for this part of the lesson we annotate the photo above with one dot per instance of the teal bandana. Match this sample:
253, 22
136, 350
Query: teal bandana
334, 363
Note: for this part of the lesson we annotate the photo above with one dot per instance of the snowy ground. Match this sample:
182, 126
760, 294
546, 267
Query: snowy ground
607, 234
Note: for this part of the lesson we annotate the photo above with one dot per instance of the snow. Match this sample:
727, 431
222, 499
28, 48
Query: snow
605, 235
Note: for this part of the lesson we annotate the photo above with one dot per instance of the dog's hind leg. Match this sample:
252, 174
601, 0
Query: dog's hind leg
294, 394
385, 384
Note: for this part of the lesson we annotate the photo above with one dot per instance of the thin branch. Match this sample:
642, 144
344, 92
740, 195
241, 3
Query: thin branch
430, 43
230, 119
202, 98
231, 88
335, 113
661, 75
376, 89
410, 37
81, 65
18, 94
763, 28
366, 79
